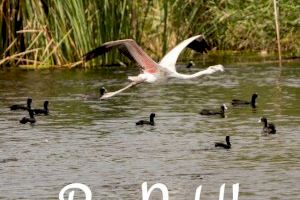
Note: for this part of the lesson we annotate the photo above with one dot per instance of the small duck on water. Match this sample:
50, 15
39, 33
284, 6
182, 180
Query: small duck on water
22, 107
145, 122
220, 112
102, 91
43, 111
222, 145
190, 65
269, 128
29, 119
252, 102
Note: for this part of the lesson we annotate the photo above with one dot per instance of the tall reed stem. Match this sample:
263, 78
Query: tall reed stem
277, 29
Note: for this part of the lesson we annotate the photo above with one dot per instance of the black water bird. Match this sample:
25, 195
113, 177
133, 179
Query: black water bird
102, 91
220, 112
190, 65
269, 128
29, 119
145, 122
22, 107
43, 111
225, 146
236, 102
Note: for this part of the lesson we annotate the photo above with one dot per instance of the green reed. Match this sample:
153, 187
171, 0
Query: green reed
45, 33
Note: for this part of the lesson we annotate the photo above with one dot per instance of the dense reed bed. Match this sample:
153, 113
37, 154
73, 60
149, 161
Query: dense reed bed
55, 33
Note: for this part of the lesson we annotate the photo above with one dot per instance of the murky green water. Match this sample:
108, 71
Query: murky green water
98, 144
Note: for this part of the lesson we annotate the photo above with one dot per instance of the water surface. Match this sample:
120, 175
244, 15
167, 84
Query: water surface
98, 144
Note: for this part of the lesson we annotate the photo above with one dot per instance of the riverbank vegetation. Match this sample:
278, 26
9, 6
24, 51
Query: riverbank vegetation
55, 33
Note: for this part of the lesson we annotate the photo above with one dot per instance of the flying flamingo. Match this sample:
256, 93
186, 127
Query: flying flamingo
152, 71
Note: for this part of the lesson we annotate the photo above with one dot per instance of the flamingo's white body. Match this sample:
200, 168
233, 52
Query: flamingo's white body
152, 71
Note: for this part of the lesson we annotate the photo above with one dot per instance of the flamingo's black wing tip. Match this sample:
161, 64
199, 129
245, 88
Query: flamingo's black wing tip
200, 45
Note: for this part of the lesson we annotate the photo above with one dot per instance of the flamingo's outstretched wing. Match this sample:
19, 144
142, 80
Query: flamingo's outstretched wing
130, 49
196, 43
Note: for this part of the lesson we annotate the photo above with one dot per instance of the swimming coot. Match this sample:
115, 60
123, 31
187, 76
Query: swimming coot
237, 102
43, 111
30, 119
220, 112
222, 145
144, 122
269, 128
22, 107
190, 65
102, 91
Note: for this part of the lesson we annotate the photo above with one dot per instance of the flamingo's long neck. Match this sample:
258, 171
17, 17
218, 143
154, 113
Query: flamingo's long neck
191, 76
209, 70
